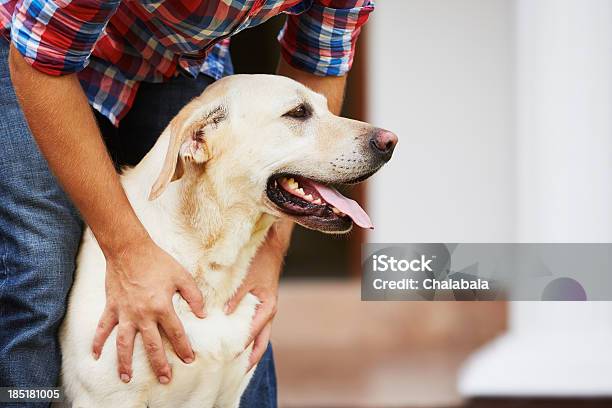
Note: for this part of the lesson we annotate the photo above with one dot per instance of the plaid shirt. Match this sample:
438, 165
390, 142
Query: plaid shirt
114, 45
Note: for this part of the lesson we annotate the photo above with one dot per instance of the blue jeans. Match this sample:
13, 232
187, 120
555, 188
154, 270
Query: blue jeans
40, 231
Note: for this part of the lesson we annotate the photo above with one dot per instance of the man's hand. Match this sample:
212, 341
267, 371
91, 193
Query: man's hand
262, 282
140, 283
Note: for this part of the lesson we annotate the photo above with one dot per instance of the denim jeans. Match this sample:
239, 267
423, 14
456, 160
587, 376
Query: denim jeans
40, 231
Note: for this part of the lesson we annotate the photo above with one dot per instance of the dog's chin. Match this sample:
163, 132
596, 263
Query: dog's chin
297, 198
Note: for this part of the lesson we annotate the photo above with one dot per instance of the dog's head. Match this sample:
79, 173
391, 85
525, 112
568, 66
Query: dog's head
269, 141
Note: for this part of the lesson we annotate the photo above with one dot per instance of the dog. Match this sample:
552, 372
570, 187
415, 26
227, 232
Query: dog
246, 152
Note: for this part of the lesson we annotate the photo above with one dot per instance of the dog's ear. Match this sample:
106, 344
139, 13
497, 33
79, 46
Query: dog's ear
187, 144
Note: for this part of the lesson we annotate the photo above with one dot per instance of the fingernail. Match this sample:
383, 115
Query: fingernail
163, 379
188, 360
95, 355
125, 378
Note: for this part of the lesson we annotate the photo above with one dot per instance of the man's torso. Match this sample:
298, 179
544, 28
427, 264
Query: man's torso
154, 40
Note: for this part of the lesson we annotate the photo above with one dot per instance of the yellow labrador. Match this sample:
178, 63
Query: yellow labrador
250, 149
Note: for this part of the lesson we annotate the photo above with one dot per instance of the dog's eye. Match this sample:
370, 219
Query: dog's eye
299, 112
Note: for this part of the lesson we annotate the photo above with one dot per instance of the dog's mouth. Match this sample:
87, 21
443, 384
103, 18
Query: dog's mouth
315, 205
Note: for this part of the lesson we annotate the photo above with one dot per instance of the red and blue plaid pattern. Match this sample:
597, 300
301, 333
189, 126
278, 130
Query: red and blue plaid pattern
115, 44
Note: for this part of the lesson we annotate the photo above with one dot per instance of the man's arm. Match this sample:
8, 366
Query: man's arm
332, 87
140, 278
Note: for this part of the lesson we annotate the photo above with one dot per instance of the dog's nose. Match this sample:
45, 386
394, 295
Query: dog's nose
383, 142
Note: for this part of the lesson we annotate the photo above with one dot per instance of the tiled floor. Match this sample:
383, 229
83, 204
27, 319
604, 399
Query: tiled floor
332, 350
358, 378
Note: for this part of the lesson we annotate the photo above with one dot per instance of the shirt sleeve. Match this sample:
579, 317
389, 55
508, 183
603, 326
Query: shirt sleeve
57, 36
321, 40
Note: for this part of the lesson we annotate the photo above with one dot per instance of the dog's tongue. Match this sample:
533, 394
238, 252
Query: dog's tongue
344, 204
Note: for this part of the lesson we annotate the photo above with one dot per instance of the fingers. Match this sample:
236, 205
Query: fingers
264, 313
107, 323
259, 346
192, 295
125, 349
231, 305
155, 351
175, 332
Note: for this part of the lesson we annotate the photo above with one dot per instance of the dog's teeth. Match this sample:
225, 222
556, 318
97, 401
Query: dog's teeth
317, 201
292, 183
308, 197
300, 191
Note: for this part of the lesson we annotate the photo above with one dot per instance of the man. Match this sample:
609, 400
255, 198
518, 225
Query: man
136, 63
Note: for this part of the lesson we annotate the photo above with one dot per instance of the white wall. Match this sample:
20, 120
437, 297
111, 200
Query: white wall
564, 137
441, 77
564, 167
